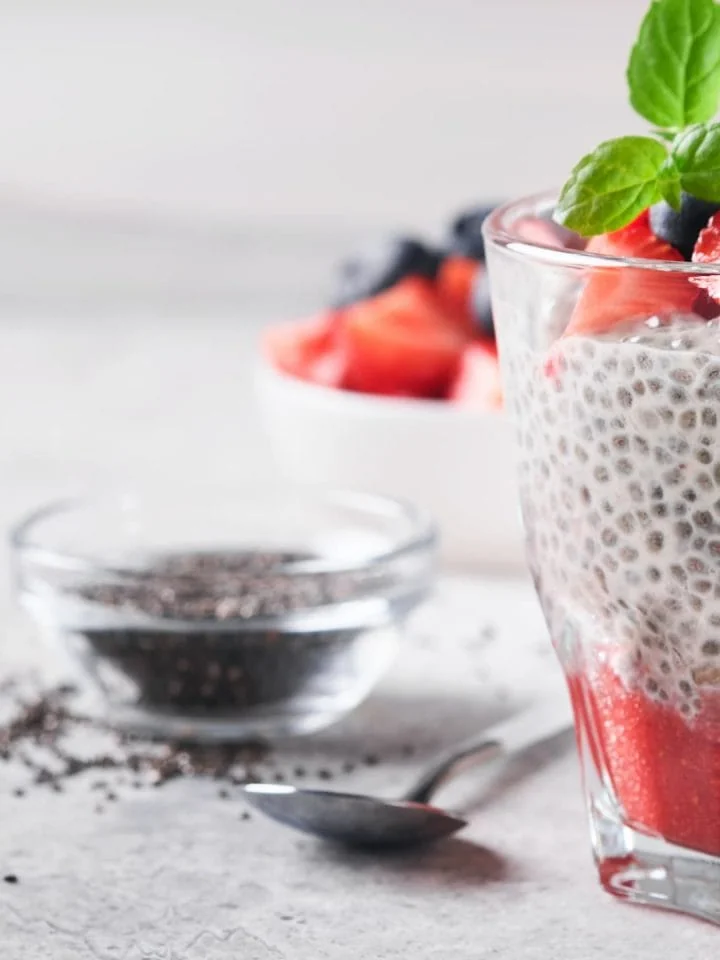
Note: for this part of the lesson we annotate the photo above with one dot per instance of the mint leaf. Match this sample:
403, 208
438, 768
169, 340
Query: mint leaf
696, 155
674, 68
614, 184
669, 183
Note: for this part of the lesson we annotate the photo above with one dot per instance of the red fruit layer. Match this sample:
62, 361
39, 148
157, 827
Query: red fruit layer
707, 250
665, 769
618, 294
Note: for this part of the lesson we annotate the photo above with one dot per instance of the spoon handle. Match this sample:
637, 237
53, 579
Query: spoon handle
538, 723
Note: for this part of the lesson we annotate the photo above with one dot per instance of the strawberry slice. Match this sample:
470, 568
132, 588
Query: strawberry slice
402, 342
454, 285
547, 233
632, 241
619, 294
478, 384
308, 349
707, 250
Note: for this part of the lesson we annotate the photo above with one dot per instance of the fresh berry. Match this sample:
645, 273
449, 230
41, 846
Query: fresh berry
454, 285
547, 233
632, 241
681, 228
380, 268
466, 238
706, 306
402, 343
308, 349
707, 250
478, 382
618, 294
482, 307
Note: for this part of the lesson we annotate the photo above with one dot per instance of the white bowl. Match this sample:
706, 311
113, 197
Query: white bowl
455, 462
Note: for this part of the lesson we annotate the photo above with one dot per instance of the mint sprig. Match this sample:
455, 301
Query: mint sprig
674, 69
674, 81
696, 155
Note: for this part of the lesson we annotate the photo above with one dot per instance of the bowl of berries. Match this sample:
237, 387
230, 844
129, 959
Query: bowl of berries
395, 388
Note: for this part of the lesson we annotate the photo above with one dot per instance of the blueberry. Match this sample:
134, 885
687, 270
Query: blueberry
369, 273
680, 228
466, 239
481, 306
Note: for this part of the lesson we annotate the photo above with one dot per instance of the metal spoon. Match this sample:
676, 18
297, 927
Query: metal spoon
359, 820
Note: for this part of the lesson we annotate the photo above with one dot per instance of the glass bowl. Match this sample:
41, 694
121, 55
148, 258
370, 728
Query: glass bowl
215, 615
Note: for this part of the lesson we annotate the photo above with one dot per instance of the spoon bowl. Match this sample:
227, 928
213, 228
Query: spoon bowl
353, 819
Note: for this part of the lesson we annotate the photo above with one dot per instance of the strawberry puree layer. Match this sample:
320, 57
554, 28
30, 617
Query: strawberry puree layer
665, 770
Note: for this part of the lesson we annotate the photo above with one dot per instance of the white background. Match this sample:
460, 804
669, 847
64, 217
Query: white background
382, 112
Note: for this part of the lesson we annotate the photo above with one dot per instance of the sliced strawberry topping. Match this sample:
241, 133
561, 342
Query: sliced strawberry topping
308, 349
402, 342
547, 233
707, 250
454, 285
632, 241
478, 382
619, 294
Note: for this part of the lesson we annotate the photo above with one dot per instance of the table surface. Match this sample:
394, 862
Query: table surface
175, 874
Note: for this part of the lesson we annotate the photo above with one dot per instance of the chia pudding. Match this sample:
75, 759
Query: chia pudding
620, 485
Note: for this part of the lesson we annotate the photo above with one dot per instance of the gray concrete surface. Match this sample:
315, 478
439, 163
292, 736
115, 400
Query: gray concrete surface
175, 874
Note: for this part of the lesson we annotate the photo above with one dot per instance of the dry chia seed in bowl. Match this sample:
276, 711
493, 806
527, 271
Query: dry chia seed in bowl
216, 635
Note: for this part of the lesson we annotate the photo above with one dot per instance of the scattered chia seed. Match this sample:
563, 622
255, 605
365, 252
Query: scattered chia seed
325, 774
10, 878
47, 736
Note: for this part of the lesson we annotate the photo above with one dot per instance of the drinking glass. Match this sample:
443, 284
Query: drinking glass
611, 369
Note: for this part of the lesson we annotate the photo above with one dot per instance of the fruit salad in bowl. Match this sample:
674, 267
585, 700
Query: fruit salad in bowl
611, 366
405, 320
395, 387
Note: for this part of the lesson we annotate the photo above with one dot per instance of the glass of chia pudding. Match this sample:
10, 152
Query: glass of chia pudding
610, 353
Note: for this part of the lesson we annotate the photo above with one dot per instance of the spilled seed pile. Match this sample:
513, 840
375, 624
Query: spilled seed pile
47, 741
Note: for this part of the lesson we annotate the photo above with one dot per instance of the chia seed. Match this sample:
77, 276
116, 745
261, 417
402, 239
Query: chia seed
46, 736
209, 635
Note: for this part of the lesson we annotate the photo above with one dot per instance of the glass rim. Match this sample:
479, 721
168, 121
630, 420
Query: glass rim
499, 232
422, 535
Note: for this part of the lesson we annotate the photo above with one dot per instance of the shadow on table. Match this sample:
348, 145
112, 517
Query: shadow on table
505, 776
452, 861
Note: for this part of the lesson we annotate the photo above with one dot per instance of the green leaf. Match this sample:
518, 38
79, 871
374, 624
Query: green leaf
670, 186
674, 68
696, 155
613, 185
671, 191
667, 135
